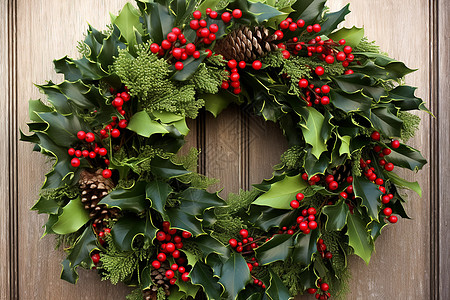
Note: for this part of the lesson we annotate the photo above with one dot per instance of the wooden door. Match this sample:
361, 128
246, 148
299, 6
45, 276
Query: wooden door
411, 259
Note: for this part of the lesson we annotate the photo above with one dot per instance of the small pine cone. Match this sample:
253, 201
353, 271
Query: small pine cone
161, 281
341, 172
246, 44
93, 188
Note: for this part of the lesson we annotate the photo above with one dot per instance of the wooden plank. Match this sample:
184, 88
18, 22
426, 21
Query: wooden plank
49, 30
442, 163
400, 265
5, 72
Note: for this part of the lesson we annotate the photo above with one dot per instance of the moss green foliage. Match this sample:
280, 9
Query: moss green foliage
410, 125
61, 194
293, 157
207, 79
135, 294
274, 59
160, 295
289, 273
148, 77
367, 46
356, 168
192, 248
66, 240
118, 265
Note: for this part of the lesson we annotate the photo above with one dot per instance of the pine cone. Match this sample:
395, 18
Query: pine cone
246, 44
159, 278
341, 172
93, 188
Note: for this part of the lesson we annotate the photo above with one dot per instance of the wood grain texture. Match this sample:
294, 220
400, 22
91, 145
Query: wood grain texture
442, 163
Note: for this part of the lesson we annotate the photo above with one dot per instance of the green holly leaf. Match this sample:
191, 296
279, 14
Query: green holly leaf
36, 106
158, 21
266, 217
128, 21
281, 193
406, 157
235, 275
403, 97
395, 68
359, 238
158, 192
80, 253
202, 274
181, 220
215, 103
308, 278
332, 20
375, 228
305, 246
345, 145
133, 199
350, 102
73, 217
181, 126
195, 201
175, 294
313, 165
384, 119
208, 245
336, 216
308, 10
359, 82
142, 124
68, 274
397, 180
145, 278
166, 117
352, 36
68, 68
277, 290
277, 248
46, 205
369, 193
166, 169
188, 288
131, 226
313, 131
190, 66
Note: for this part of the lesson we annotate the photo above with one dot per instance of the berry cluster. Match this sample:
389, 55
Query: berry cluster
96, 254
171, 240
318, 95
233, 79
321, 291
382, 152
246, 247
321, 247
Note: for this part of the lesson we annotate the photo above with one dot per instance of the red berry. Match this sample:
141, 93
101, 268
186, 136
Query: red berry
156, 264
348, 49
237, 13
279, 34
311, 211
387, 151
95, 258
179, 65
329, 59
225, 85
81, 135
197, 14
312, 225
186, 234
181, 269
232, 63
342, 42
243, 233
237, 91
341, 56
309, 28
161, 257
154, 48
382, 162
71, 152
350, 189
213, 15
171, 37
324, 287
213, 28
239, 248
160, 236
174, 267
320, 71
379, 181
312, 291
92, 154
348, 72
250, 266
173, 281
333, 185
185, 276
382, 189
226, 17
375, 136
75, 162
389, 167
165, 44
233, 243
325, 100
395, 144
393, 219
385, 199
170, 274
125, 96
300, 23
202, 23
170, 247
257, 65
295, 204
194, 24
387, 211
242, 64
284, 24
325, 89
293, 27
176, 254
303, 226
115, 133
85, 153
234, 77
300, 197
123, 123
286, 54
303, 83
107, 173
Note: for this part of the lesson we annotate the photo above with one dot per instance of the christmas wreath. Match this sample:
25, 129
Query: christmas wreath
123, 201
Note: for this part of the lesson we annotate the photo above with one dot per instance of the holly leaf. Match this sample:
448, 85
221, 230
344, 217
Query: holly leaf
142, 124
215, 103
308, 10
332, 20
375, 228
128, 21
195, 201
166, 169
181, 220
277, 290
395, 68
208, 245
46, 205
81, 253
369, 193
68, 274
158, 192
350, 102
384, 119
359, 82
145, 278
305, 246
397, 180
235, 275
345, 145
313, 131
133, 199
266, 217
277, 248
281, 193
157, 20
201, 274
130, 226
359, 238
406, 157
403, 97
68, 68
336, 216
352, 36
188, 288
73, 217
190, 66
313, 165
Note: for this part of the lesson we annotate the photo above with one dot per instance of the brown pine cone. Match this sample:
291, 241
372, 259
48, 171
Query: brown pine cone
160, 280
246, 44
93, 188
